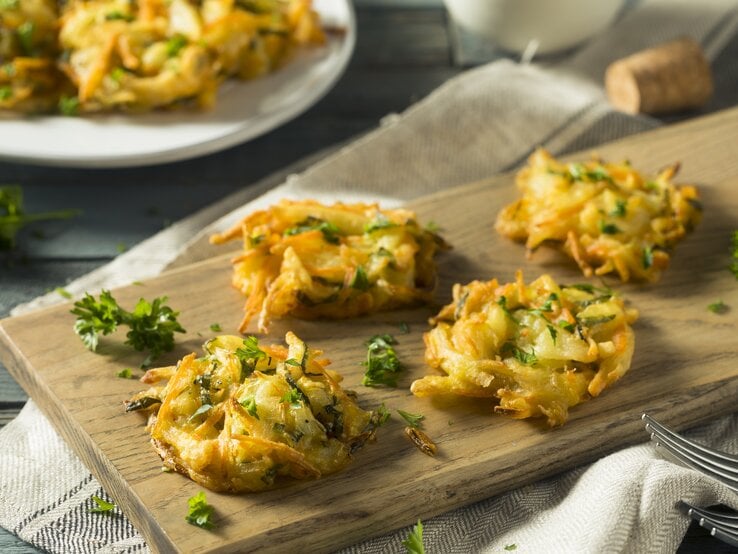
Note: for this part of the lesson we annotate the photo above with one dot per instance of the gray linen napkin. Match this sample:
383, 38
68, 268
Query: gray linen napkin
485, 121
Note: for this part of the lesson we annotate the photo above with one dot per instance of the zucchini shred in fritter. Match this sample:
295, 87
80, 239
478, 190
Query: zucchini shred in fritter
246, 417
607, 217
308, 260
538, 348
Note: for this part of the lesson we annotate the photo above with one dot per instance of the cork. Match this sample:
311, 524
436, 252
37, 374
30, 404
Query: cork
671, 77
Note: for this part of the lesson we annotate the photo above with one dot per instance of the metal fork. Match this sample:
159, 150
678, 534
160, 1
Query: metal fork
718, 465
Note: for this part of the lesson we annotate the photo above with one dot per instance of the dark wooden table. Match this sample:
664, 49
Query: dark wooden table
404, 51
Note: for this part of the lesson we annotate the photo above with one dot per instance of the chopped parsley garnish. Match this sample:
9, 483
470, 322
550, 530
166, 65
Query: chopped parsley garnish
553, 332
579, 172
380, 222
249, 404
329, 230
292, 397
567, 326
151, 324
502, 303
609, 228
6, 93
619, 209
360, 280
381, 415
215, 327
24, 32
256, 240
647, 258
117, 74
734, 253
547, 305
68, 105
64, 293
175, 44
125, 373
718, 307
414, 541
117, 15
432, 227
511, 547
526, 358
382, 364
13, 218
292, 362
200, 513
102, 506
249, 354
121, 247
413, 420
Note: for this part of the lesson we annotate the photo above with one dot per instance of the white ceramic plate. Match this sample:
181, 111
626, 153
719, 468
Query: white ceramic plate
244, 110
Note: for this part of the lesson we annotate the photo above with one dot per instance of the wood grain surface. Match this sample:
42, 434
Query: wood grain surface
684, 371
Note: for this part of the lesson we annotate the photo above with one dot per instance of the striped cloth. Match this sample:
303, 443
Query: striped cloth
485, 121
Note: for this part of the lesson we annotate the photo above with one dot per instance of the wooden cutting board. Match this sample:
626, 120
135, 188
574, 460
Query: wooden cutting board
684, 371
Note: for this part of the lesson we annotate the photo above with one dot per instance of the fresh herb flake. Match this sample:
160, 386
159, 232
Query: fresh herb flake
525, 358
64, 293
200, 513
204, 409
619, 209
553, 332
101, 506
382, 364
329, 230
292, 362
68, 105
215, 327
292, 397
609, 228
249, 404
361, 280
175, 44
718, 307
6, 92
647, 257
249, 354
125, 373
381, 415
413, 420
511, 547
379, 223
414, 541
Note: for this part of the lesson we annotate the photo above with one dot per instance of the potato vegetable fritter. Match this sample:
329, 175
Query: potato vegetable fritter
608, 217
141, 55
246, 417
538, 348
308, 260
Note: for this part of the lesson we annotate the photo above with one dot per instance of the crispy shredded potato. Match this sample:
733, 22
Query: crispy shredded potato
238, 421
608, 217
539, 348
143, 54
310, 261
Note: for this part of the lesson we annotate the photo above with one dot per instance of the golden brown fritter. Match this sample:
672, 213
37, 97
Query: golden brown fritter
608, 217
539, 348
246, 417
308, 260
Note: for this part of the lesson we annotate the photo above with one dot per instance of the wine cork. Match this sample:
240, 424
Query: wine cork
671, 77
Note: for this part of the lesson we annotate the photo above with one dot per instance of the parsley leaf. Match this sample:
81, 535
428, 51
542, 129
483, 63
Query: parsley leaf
249, 354
64, 293
619, 209
382, 363
526, 358
647, 259
95, 318
175, 44
205, 408
380, 222
200, 513
360, 280
6, 93
68, 105
125, 373
414, 541
609, 228
413, 420
249, 404
13, 218
329, 230
381, 415
215, 327
718, 307
734, 252
292, 397
511, 547
102, 506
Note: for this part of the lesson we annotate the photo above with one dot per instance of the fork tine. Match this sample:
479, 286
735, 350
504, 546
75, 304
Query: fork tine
720, 526
693, 445
699, 460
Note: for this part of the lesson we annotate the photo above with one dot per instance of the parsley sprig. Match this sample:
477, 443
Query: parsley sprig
734, 253
382, 364
151, 324
414, 541
200, 513
101, 506
13, 217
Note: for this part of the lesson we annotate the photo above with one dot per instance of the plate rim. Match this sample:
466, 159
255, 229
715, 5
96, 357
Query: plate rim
234, 137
